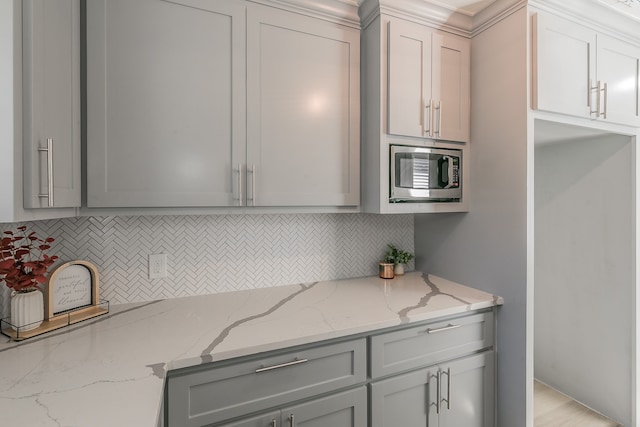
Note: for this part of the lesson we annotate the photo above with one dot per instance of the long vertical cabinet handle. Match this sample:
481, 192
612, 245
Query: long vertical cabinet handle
604, 110
253, 185
448, 399
274, 423
438, 390
427, 118
49, 151
598, 89
239, 199
438, 132
292, 421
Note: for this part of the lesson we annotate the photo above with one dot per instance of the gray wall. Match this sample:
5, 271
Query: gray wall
487, 247
209, 254
584, 271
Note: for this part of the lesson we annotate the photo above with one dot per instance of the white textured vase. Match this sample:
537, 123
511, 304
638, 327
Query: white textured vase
27, 310
399, 269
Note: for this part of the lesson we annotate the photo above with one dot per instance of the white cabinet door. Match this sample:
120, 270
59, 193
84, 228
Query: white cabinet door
409, 90
165, 102
429, 83
563, 66
618, 65
51, 59
451, 83
303, 110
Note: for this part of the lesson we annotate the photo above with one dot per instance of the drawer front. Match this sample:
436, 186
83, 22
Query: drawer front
419, 346
217, 394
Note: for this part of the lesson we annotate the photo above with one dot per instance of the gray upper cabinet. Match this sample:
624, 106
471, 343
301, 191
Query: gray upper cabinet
429, 82
51, 103
303, 110
165, 102
194, 103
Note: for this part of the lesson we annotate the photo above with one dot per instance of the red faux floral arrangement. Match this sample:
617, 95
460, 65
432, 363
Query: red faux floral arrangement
23, 261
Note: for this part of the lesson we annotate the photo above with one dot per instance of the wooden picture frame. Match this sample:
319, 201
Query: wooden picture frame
73, 291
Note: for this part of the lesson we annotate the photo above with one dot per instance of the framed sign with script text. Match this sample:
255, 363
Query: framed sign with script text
72, 289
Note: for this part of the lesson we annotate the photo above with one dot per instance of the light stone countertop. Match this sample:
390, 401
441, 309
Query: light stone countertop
110, 371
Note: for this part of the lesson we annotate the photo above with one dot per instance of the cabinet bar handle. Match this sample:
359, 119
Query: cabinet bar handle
439, 110
448, 399
438, 391
604, 112
253, 185
49, 151
427, 118
282, 365
239, 184
274, 423
442, 329
292, 421
598, 89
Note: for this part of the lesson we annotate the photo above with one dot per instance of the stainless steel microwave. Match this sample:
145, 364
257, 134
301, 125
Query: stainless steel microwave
425, 174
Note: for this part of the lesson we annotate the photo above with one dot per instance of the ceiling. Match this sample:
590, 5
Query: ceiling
471, 7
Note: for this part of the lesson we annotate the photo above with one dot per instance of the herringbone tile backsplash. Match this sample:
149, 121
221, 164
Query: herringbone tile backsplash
209, 254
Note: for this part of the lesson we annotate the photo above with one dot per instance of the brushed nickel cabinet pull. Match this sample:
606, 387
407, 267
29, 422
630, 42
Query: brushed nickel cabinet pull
253, 185
427, 118
442, 329
439, 110
604, 111
448, 399
292, 421
438, 391
598, 89
274, 423
282, 365
49, 194
239, 199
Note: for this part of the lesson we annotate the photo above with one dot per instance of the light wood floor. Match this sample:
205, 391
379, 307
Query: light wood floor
553, 409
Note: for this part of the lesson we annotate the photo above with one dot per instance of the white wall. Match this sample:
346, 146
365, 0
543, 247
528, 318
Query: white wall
487, 247
584, 280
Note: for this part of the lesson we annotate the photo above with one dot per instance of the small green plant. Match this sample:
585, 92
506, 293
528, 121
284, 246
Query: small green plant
397, 256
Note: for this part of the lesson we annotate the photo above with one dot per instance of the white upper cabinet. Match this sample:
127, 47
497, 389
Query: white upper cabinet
194, 103
618, 67
165, 94
51, 103
303, 95
580, 72
429, 83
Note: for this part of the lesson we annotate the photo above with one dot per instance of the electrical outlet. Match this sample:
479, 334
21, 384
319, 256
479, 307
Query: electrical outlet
157, 266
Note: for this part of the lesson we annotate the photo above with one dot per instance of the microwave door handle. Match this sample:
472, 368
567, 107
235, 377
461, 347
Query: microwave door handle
450, 182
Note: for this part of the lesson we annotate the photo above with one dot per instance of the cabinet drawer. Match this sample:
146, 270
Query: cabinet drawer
425, 345
213, 395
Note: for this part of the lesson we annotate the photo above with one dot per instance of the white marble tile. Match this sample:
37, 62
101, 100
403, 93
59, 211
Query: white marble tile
110, 371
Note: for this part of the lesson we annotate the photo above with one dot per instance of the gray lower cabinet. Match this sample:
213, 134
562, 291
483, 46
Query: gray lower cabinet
435, 374
459, 393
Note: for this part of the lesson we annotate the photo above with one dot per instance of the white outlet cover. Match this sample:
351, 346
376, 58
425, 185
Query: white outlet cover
157, 266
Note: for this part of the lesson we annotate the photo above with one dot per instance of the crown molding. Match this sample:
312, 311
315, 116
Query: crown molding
426, 12
598, 15
344, 12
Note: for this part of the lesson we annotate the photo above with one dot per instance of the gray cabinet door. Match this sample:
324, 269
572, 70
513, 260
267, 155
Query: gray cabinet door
407, 400
303, 94
165, 102
469, 392
51, 85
